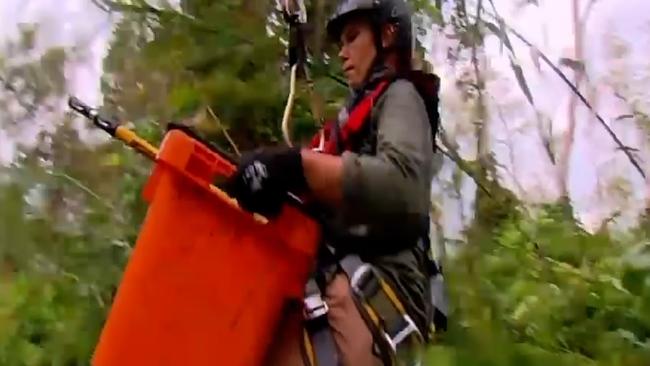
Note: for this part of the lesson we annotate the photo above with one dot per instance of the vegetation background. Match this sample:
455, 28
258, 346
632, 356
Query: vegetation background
539, 205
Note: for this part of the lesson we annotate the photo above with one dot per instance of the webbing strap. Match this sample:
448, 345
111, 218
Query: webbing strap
325, 351
333, 135
438, 294
350, 265
437, 285
319, 341
380, 306
381, 303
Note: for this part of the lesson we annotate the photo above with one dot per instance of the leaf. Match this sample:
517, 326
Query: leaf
501, 32
635, 280
613, 281
113, 159
631, 337
497, 32
521, 80
624, 117
185, 99
435, 14
576, 65
638, 257
28, 37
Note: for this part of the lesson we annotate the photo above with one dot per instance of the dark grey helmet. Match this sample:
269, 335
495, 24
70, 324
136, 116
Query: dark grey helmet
379, 11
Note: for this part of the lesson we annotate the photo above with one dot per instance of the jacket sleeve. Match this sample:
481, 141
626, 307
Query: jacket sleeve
388, 193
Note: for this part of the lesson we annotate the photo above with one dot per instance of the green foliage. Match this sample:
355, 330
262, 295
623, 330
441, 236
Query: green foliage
170, 69
28, 81
540, 290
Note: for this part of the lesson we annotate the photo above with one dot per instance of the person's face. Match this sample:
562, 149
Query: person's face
357, 51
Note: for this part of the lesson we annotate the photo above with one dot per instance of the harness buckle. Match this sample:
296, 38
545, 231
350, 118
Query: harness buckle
365, 282
402, 334
361, 277
315, 307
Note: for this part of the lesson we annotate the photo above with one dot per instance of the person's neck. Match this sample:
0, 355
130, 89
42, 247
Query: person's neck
376, 73
391, 62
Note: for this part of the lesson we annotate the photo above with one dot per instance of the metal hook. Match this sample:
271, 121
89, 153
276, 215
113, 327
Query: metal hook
92, 114
296, 8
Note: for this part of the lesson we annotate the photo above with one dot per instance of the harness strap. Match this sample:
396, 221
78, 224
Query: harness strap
437, 288
438, 294
355, 268
319, 343
381, 302
377, 302
332, 139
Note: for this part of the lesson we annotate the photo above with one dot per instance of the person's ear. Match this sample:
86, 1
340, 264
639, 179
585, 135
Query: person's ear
388, 35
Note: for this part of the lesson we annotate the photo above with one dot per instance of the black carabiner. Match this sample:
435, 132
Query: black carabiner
296, 16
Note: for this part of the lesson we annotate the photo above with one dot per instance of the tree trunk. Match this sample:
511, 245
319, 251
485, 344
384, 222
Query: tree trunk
565, 166
319, 28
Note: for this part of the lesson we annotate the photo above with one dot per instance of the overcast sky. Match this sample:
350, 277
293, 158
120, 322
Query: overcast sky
597, 167
66, 23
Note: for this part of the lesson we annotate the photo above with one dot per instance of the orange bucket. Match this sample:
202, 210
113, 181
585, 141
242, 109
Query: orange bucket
206, 283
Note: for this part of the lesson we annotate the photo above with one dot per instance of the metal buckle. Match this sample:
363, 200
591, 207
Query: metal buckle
409, 329
361, 277
361, 274
295, 8
315, 307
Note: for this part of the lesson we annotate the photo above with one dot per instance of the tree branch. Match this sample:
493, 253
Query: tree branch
337, 79
577, 92
30, 108
100, 6
508, 144
453, 155
225, 132
162, 13
84, 188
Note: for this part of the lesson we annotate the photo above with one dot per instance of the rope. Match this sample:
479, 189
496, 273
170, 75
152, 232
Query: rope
289, 106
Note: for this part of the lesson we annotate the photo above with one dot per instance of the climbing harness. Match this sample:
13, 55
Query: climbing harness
397, 338
380, 306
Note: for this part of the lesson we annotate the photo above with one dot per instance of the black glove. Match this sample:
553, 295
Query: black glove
264, 177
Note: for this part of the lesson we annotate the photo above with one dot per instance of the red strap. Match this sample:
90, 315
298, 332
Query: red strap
355, 123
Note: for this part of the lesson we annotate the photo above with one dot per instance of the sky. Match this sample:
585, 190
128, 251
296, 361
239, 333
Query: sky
596, 167
601, 181
67, 23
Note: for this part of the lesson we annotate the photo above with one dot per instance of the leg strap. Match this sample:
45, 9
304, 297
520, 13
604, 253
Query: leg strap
439, 302
382, 305
319, 342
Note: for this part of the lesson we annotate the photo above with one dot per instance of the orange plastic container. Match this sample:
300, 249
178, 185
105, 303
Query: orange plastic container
206, 282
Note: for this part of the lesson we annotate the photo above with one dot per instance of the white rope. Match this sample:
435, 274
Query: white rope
289, 107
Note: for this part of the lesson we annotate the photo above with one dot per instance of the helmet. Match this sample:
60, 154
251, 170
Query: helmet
380, 12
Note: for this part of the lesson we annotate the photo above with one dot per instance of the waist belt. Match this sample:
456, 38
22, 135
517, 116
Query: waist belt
380, 306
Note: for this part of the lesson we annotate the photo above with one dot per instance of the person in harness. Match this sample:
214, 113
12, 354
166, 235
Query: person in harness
371, 299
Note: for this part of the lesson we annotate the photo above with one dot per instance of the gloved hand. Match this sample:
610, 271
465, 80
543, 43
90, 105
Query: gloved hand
264, 177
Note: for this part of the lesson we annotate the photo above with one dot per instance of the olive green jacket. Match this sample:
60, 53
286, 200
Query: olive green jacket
386, 190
